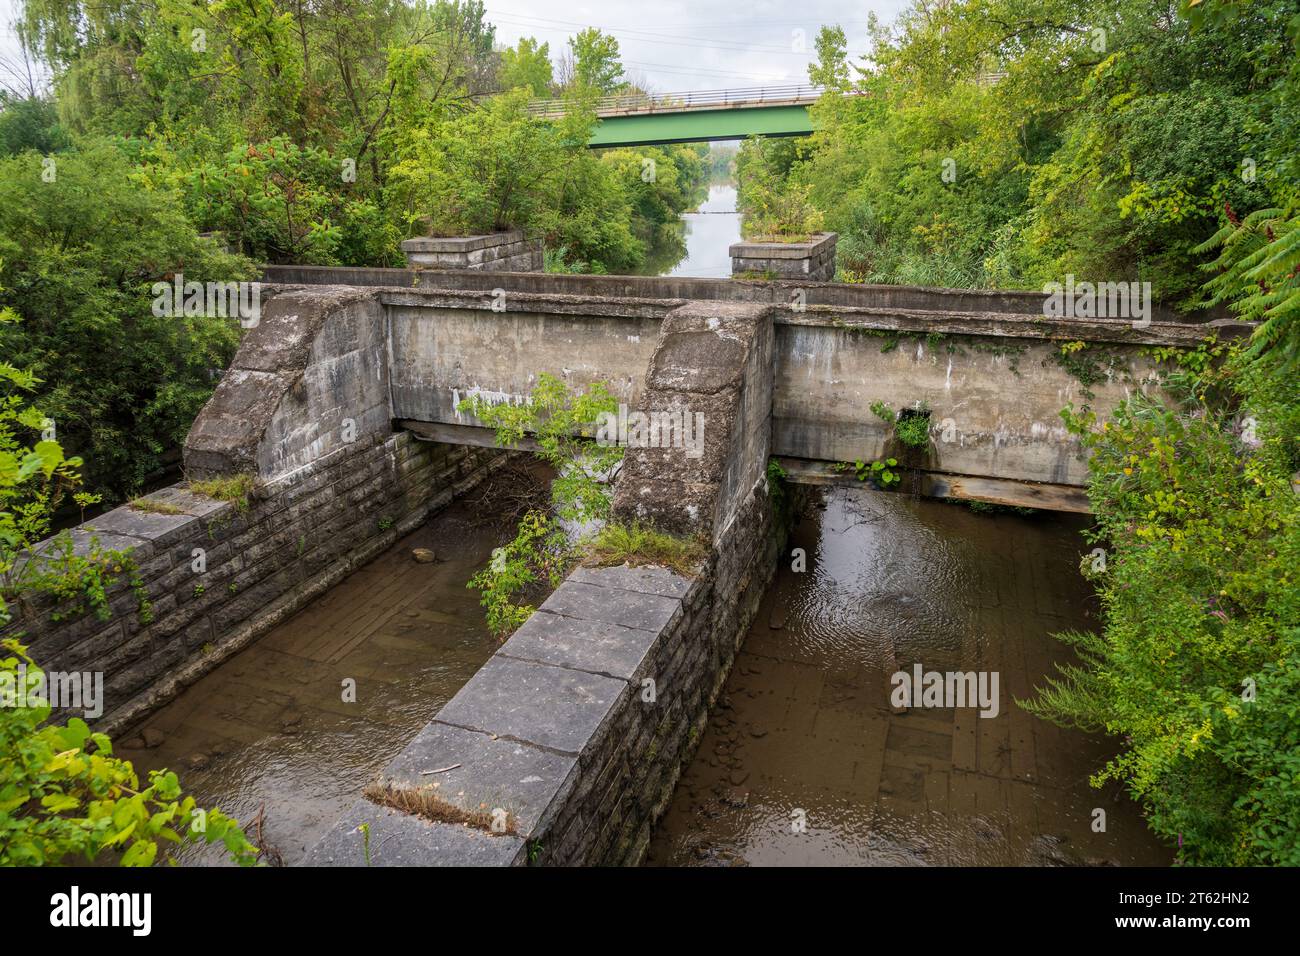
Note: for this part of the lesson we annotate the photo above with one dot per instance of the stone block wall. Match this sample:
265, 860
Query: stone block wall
260, 562
813, 260
575, 732
494, 252
302, 417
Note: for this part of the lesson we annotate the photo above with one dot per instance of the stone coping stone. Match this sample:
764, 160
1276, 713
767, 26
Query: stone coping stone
160, 529
178, 496
81, 545
400, 839
646, 578
461, 243
591, 602
782, 250
555, 707
141, 551
492, 772
592, 646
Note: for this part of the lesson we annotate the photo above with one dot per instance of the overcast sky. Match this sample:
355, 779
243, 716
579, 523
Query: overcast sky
670, 44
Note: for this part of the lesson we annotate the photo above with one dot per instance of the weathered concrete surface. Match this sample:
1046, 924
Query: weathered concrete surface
310, 377
326, 360
557, 708
494, 252
493, 771
713, 363
393, 838
683, 288
440, 356
812, 261
996, 491
994, 401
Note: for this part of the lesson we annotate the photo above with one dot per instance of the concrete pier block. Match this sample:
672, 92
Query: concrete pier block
813, 260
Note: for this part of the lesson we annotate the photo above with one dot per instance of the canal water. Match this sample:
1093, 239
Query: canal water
707, 235
805, 762
267, 736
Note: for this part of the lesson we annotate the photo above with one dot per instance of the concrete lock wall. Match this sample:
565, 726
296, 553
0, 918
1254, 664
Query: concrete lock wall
994, 383
304, 410
994, 402
566, 746
441, 355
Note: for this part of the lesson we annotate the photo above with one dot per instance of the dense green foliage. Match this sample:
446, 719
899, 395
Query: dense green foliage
1200, 656
328, 133
1007, 143
777, 207
64, 797
1196, 500
289, 133
78, 255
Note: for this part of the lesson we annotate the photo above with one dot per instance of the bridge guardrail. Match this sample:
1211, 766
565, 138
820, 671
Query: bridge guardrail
625, 103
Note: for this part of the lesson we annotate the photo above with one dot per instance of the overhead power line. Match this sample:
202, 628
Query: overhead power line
644, 36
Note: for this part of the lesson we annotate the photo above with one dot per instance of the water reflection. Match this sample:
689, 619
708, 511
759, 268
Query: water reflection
804, 732
698, 245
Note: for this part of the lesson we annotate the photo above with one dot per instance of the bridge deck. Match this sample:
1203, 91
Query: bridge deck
643, 119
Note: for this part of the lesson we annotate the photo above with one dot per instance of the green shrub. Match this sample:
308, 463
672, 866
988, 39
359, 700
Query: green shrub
561, 422
1196, 667
78, 257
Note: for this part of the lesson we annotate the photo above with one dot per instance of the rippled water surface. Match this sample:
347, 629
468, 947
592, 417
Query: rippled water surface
268, 733
805, 734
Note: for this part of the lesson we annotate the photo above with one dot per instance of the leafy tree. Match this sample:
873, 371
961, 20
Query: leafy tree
30, 123
279, 202
493, 168
596, 64
527, 64
774, 207
1009, 142
832, 68
78, 255
1199, 661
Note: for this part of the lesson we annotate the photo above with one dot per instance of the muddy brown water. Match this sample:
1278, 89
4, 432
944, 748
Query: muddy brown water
805, 762
268, 731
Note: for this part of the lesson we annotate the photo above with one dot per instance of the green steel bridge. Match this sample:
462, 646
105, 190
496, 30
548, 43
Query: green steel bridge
645, 119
